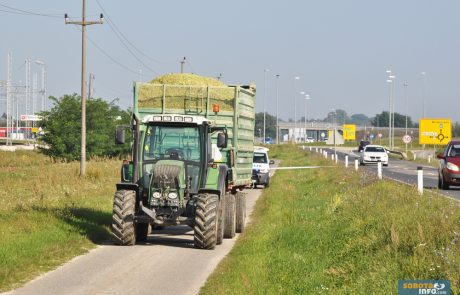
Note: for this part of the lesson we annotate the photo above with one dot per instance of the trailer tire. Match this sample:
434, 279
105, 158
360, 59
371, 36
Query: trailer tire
230, 216
221, 220
123, 230
142, 231
206, 219
240, 212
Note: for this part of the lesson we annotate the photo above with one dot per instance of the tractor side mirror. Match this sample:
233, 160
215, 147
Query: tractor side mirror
120, 136
221, 140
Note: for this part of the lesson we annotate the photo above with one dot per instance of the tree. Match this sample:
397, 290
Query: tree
360, 119
338, 116
456, 129
62, 126
270, 125
381, 120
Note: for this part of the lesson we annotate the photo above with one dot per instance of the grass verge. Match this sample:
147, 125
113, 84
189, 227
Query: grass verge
49, 214
339, 232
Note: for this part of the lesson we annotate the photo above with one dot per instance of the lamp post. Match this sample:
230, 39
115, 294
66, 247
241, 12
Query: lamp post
390, 80
277, 120
295, 106
307, 97
301, 93
405, 95
265, 97
424, 93
43, 90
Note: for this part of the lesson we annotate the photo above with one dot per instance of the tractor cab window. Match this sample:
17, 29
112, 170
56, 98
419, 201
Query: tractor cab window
175, 143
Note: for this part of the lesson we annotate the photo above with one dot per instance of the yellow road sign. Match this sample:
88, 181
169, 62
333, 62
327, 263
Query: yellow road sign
34, 129
435, 131
349, 131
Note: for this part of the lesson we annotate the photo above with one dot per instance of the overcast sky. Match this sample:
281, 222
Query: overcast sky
340, 49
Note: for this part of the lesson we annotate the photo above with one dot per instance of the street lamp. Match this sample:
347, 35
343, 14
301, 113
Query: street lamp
277, 120
265, 97
423, 94
405, 94
43, 91
295, 106
307, 97
390, 80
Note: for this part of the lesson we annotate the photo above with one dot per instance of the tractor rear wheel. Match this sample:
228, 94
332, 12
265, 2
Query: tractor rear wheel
240, 211
230, 216
123, 230
206, 219
220, 220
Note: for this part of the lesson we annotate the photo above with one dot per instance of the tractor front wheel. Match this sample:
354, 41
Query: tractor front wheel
123, 229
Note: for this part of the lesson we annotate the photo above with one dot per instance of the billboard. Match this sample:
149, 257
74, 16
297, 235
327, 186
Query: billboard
349, 132
435, 131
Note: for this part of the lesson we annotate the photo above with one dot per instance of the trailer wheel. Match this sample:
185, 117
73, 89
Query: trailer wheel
240, 211
205, 230
123, 230
220, 221
230, 216
142, 231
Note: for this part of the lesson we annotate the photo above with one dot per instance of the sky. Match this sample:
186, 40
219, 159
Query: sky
340, 50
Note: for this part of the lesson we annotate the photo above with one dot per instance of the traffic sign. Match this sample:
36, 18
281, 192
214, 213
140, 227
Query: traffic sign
31, 118
371, 136
380, 135
407, 138
435, 131
349, 131
323, 134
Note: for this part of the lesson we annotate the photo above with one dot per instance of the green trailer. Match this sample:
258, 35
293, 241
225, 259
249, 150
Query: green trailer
191, 158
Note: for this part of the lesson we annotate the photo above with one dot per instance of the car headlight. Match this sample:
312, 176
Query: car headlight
172, 195
452, 166
156, 195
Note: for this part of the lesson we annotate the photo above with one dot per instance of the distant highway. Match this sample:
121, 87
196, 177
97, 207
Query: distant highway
400, 170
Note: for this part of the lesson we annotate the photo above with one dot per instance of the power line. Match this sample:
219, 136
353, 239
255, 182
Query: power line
109, 22
127, 40
108, 56
26, 12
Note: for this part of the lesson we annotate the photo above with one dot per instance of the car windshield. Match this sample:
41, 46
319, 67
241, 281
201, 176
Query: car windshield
454, 151
375, 149
260, 158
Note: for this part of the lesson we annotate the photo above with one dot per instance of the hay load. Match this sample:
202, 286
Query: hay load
186, 92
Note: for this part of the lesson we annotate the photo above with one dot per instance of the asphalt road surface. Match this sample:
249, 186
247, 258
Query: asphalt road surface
400, 170
166, 264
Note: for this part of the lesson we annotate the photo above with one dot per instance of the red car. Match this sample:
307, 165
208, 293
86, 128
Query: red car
449, 165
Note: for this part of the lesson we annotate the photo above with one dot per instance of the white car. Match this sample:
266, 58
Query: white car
372, 154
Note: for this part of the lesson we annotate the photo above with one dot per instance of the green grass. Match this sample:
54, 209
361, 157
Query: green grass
339, 232
49, 214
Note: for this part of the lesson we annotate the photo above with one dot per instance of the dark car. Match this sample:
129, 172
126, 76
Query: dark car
449, 165
362, 144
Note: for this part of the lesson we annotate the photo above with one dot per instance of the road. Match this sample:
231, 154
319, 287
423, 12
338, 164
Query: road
400, 170
166, 264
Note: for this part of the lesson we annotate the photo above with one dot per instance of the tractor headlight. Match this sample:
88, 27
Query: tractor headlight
172, 195
156, 195
452, 166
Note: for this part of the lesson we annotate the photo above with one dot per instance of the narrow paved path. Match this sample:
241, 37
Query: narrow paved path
166, 264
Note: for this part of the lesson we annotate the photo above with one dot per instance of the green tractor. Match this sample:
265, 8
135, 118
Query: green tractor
189, 163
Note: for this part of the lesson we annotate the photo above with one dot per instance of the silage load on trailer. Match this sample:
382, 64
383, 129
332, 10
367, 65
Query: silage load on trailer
185, 92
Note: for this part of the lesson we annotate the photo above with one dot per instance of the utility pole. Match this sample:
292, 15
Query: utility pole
83, 23
182, 63
277, 120
265, 98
